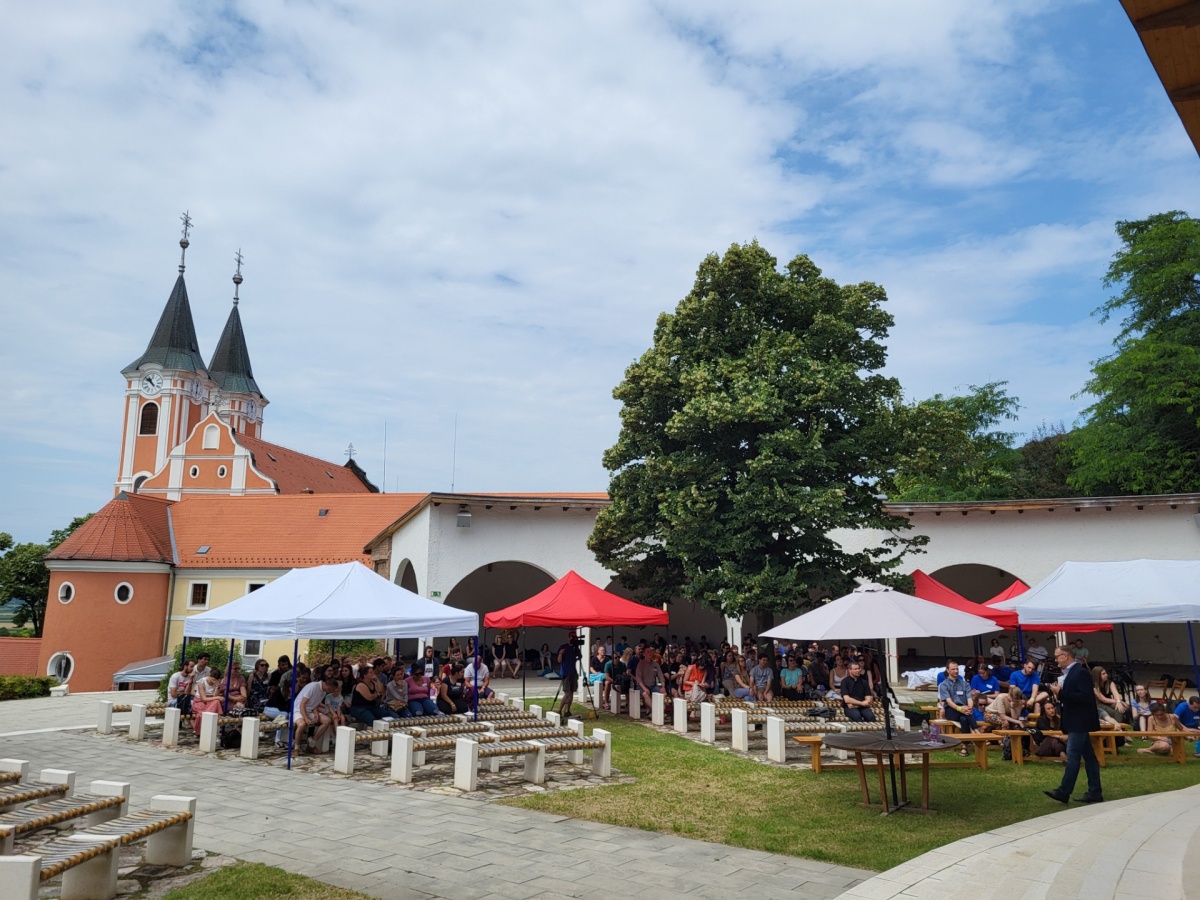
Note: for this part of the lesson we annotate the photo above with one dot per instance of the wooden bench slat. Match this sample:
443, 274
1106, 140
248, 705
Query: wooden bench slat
138, 825
43, 815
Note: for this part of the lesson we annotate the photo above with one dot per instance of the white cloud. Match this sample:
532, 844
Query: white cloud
480, 211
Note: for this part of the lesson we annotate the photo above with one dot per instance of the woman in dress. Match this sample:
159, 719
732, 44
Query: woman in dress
1108, 702
1005, 711
238, 692
1161, 720
210, 697
260, 687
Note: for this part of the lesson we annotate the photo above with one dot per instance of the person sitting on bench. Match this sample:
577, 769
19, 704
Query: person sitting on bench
955, 697
857, 695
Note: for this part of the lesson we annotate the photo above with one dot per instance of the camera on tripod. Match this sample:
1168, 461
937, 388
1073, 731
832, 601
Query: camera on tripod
575, 641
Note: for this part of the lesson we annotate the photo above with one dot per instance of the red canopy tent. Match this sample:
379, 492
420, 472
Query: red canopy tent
571, 601
1019, 587
929, 588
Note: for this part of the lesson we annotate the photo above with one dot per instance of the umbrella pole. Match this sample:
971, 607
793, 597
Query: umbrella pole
292, 700
887, 729
228, 673
1020, 644
475, 676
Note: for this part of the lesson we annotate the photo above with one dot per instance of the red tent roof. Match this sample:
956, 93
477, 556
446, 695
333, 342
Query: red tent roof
572, 601
1019, 587
929, 588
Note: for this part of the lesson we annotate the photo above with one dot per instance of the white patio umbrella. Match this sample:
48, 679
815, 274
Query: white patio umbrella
876, 611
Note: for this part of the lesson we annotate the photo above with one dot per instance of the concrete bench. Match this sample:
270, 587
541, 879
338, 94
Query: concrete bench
468, 753
778, 728
408, 750
347, 740
105, 800
88, 860
51, 784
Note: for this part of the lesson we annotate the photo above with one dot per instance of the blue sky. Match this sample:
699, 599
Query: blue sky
456, 210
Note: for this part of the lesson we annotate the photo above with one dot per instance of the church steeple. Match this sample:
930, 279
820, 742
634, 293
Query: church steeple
173, 345
240, 401
230, 365
166, 388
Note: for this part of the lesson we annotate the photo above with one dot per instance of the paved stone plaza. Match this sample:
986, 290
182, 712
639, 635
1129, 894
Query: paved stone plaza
404, 844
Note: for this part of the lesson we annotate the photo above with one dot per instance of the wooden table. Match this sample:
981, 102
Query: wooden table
899, 745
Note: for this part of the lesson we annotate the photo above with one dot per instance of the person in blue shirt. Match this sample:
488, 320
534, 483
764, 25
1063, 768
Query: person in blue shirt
1003, 676
984, 683
1188, 713
1030, 683
955, 695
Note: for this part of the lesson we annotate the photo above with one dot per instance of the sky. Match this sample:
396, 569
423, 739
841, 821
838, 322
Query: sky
460, 221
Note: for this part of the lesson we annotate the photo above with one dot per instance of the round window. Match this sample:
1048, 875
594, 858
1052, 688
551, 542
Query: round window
195, 471
60, 666
221, 471
124, 592
66, 592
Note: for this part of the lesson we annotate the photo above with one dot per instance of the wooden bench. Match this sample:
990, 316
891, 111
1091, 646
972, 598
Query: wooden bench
105, 800
982, 741
408, 750
813, 743
89, 860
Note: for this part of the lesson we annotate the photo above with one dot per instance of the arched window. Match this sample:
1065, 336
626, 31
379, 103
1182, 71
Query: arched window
212, 437
148, 424
138, 482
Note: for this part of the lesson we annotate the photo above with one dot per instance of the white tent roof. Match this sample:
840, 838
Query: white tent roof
1133, 590
335, 602
874, 611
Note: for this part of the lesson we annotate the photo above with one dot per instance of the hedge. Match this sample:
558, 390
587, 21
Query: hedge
17, 687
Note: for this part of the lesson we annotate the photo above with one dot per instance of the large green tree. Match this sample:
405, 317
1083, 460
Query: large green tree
1142, 432
25, 578
753, 429
960, 455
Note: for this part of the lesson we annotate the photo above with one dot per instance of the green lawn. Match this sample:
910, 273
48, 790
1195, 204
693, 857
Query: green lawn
701, 792
252, 881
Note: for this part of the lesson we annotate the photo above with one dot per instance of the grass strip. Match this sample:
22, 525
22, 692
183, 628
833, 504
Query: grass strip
254, 881
702, 792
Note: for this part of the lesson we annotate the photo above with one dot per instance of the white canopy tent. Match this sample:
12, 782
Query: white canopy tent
337, 602
1133, 590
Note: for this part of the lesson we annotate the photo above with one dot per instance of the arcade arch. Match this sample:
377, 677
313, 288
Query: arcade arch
499, 584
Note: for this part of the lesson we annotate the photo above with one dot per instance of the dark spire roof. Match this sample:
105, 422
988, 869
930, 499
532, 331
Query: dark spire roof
173, 345
230, 366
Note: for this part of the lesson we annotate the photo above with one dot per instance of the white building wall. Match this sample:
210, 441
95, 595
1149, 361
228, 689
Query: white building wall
412, 543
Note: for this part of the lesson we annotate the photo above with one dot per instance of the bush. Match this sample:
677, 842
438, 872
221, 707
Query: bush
16, 687
319, 651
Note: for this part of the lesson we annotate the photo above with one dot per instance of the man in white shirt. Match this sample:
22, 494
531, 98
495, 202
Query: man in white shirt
312, 709
1037, 653
484, 679
180, 684
201, 670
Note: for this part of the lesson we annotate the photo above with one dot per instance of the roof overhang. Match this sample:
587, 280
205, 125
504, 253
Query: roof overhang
1170, 34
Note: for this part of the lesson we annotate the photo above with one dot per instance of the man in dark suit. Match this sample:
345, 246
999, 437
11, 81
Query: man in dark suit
1077, 701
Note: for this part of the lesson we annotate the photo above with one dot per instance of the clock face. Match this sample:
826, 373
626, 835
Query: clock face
196, 390
251, 409
152, 384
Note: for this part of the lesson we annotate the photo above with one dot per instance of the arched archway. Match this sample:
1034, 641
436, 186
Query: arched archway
976, 582
500, 584
406, 576
687, 620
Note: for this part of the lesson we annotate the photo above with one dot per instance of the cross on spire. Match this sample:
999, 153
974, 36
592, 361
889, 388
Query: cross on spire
183, 242
237, 276
351, 452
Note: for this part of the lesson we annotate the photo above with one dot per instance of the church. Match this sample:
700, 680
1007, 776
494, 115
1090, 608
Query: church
205, 510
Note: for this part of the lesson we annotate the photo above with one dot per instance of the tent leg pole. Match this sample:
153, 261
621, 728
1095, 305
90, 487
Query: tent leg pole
228, 672
1195, 666
1020, 645
475, 676
1125, 638
524, 662
292, 701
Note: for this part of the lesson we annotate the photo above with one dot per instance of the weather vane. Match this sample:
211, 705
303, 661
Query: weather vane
183, 242
237, 276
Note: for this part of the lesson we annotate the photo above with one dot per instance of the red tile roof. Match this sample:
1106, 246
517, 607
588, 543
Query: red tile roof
296, 473
19, 656
129, 528
282, 531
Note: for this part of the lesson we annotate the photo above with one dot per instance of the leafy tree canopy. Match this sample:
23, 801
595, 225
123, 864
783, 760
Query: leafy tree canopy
25, 578
958, 454
1142, 432
753, 429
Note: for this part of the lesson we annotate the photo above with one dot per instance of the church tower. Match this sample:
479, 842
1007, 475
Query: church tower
167, 388
238, 401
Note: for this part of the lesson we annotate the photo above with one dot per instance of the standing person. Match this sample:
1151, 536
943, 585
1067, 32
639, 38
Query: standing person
857, 695
1077, 699
568, 659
